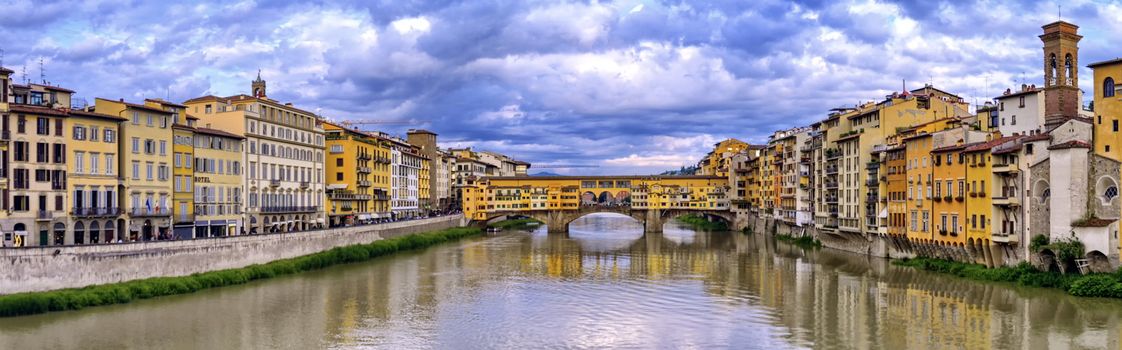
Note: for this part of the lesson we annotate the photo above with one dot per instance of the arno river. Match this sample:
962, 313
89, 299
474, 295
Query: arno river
604, 285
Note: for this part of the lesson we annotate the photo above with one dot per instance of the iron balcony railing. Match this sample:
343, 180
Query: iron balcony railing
95, 212
150, 212
288, 209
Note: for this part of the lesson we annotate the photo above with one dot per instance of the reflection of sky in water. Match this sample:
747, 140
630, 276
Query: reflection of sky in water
605, 232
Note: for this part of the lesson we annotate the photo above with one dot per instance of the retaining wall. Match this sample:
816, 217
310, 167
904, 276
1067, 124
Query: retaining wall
47, 268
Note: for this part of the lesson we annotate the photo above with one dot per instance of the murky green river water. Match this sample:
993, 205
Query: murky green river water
604, 285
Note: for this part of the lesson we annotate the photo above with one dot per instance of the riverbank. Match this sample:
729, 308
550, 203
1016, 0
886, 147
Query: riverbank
120, 293
40, 269
1101, 285
701, 223
517, 224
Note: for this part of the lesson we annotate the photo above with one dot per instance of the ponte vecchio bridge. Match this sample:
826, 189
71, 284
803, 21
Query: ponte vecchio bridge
558, 200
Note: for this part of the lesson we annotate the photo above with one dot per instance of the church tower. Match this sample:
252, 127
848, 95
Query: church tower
1061, 70
259, 86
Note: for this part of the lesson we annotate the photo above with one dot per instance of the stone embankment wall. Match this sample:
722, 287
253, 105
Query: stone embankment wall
885, 246
48, 268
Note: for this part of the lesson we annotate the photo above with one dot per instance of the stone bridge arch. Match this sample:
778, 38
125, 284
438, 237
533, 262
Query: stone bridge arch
652, 220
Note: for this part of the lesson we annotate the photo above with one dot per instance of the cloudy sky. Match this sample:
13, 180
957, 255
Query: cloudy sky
629, 86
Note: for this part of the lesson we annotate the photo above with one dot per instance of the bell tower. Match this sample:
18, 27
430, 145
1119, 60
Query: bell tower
1061, 69
259, 86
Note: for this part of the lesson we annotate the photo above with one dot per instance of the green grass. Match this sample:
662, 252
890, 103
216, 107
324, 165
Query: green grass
124, 292
1103, 285
805, 242
517, 224
699, 222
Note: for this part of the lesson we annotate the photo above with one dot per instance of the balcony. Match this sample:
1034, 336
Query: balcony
363, 183
288, 209
1004, 237
959, 197
363, 170
831, 185
1004, 168
305, 184
274, 183
831, 170
95, 212
44, 215
872, 182
142, 212
365, 156
1010, 201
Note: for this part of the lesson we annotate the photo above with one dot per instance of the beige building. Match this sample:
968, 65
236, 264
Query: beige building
38, 165
218, 183
440, 166
284, 157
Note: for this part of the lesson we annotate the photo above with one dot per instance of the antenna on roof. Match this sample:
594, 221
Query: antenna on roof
1059, 12
25, 79
42, 72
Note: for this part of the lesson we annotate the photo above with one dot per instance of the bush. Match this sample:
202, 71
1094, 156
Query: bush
517, 224
1038, 242
700, 222
1094, 285
120, 293
805, 242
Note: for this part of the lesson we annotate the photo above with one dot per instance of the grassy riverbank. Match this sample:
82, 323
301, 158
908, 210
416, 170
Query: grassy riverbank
805, 242
124, 292
517, 224
700, 222
1104, 285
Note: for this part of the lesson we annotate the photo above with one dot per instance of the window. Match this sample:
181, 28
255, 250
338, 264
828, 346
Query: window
1108, 87
79, 161
148, 170
135, 118
110, 136
163, 147
108, 164
21, 125
42, 126
149, 119
1022, 102
178, 160
42, 152
22, 151
79, 133
135, 170
93, 133
339, 162
1115, 124
1110, 193
94, 160
136, 145
338, 176
1013, 121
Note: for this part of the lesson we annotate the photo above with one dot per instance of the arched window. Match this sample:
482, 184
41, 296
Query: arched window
1110, 193
1108, 87
79, 233
1069, 69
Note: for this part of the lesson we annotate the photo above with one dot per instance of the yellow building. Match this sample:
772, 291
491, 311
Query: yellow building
145, 152
949, 196
8, 238
38, 165
183, 175
351, 164
485, 198
717, 161
218, 183
1108, 108
92, 176
424, 186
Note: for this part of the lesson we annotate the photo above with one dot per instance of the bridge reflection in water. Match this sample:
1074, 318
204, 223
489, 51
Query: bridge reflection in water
605, 284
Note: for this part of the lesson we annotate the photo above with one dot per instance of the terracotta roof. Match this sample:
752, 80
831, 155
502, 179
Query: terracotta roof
161, 101
952, 148
848, 137
210, 131
80, 113
1103, 63
56, 88
990, 144
205, 98
137, 106
1070, 144
421, 131
1037, 137
5, 70
1019, 93
1095, 222
41, 110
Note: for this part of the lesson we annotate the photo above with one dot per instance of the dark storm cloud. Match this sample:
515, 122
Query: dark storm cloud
617, 84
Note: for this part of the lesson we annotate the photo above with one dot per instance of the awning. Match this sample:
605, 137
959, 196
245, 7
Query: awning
364, 216
337, 186
884, 213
